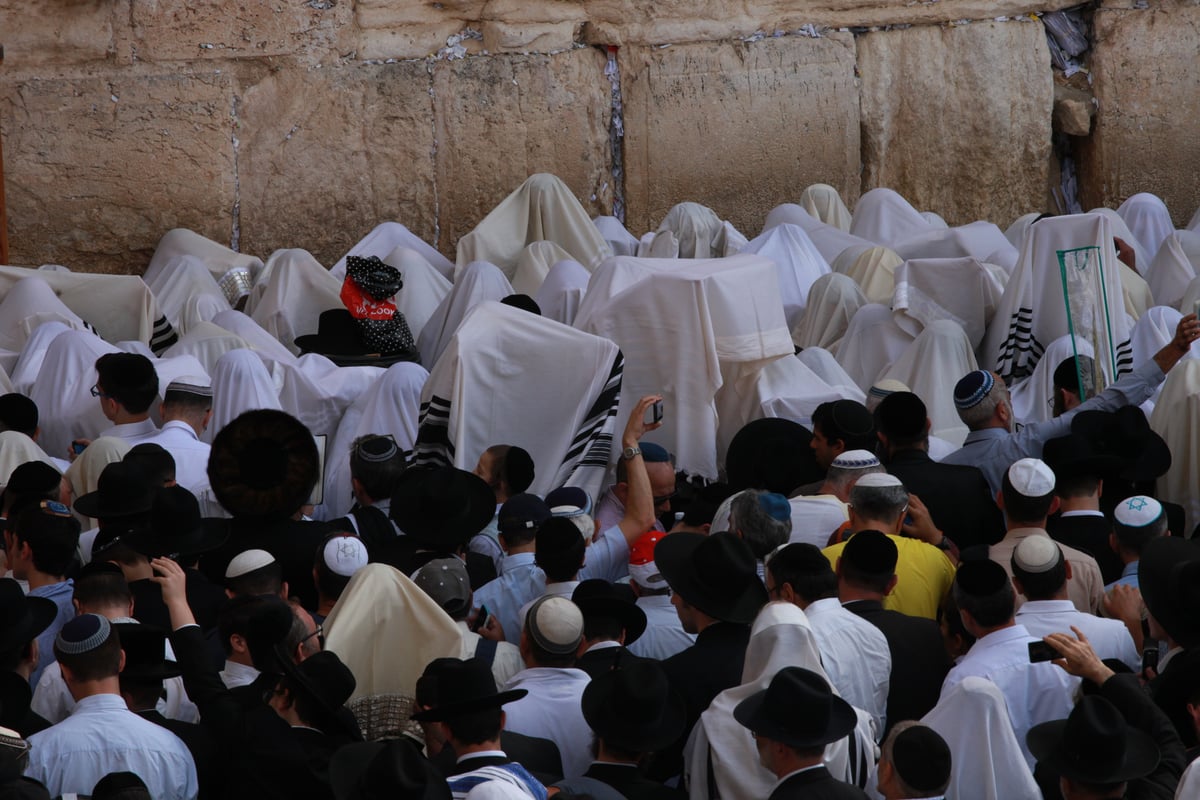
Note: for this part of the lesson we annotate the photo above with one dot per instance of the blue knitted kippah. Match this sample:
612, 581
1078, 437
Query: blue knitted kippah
83, 634
654, 453
971, 390
776, 506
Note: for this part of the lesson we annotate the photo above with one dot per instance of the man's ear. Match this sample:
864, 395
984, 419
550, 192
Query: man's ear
891, 585
1054, 505
237, 643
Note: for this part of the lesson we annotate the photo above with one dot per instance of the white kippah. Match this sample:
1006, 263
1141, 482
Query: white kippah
1036, 554
191, 384
345, 555
555, 624
1031, 477
878, 480
887, 386
1137, 511
248, 561
856, 459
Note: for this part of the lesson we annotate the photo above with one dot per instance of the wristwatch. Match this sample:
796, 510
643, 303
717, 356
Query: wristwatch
629, 452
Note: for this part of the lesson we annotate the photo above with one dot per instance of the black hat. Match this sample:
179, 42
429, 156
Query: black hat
472, 687
597, 597
798, 709
921, 758
1093, 745
1125, 434
175, 527
1169, 579
325, 679
522, 512
981, 577
771, 454
717, 574
634, 708
145, 653
523, 302
121, 786
1075, 455
559, 541
264, 464
18, 413
22, 617
384, 770
33, 478
901, 415
871, 552
339, 338
442, 506
122, 490
15, 696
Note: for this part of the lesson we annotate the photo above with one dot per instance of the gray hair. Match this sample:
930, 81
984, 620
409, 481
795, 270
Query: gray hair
978, 415
842, 478
762, 532
882, 503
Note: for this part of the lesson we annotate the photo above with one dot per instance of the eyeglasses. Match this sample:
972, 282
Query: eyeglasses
666, 498
55, 509
319, 633
96, 392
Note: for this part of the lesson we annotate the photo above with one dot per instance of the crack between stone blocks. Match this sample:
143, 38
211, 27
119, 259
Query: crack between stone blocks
235, 232
437, 209
616, 135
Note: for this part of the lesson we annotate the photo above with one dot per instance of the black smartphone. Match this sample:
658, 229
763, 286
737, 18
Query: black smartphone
1040, 651
78, 447
656, 412
481, 620
1150, 659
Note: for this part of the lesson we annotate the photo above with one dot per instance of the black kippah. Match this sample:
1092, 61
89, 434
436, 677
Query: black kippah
921, 758
852, 417
556, 536
871, 553
902, 415
518, 469
981, 578
18, 413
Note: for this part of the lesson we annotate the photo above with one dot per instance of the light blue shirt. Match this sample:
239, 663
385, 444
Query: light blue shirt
103, 736
520, 582
1129, 577
606, 557
61, 594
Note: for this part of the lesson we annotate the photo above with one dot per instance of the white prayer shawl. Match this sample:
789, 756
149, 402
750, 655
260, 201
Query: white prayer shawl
1191, 298
884, 217
317, 392
511, 376
63, 393
1174, 418
1032, 311
697, 228
822, 362
786, 388
478, 282
255, 336
829, 240
872, 343
687, 329
1149, 220
620, 240
386, 629
661, 244
982, 240
206, 342
1032, 396
1194, 222
28, 304
1154, 330
534, 264
833, 300
385, 238
986, 762
930, 367
958, 289
780, 637
541, 209
561, 294
424, 287
295, 289
240, 383
1172, 270
218, 258
873, 269
1137, 291
118, 307
33, 354
1015, 233
1121, 230
186, 292
16, 449
935, 219
823, 202
169, 369
797, 262
1189, 784
84, 472
390, 406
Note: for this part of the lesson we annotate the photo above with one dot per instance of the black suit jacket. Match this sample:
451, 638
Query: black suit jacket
957, 495
1089, 534
539, 756
293, 543
629, 781
199, 745
816, 784
205, 598
597, 662
919, 659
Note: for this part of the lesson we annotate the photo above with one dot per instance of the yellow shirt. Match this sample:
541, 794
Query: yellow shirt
923, 576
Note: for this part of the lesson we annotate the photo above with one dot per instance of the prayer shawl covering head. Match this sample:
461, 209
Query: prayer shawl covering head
510, 376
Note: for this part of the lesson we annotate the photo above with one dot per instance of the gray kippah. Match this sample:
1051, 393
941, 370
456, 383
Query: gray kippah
83, 634
376, 449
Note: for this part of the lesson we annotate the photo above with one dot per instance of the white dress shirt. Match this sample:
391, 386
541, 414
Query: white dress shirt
552, 711
815, 517
855, 656
1034, 693
520, 582
191, 455
235, 674
664, 635
133, 432
507, 661
103, 736
1109, 637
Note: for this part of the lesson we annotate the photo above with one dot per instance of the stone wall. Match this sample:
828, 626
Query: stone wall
303, 123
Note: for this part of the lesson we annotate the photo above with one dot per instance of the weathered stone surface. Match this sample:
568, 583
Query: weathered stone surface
98, 168
957, 119
325, 155
738, 127
522, 37
56, 33
1145, 137
1073, 110
502, 118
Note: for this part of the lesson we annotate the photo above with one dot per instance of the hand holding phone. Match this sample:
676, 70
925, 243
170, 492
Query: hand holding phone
481, 619
654, 413
1040, 651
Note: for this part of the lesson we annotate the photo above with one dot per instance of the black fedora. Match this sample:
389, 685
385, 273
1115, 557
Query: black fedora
798, 709
389, 769
339, 338
175, 527
145, 653
1125, 434
442, 506
1075, 455
472, 687
122, 490
597, 597
15, 697
22, 617
716, 574
771, 454
326, 680
1093, 745
634, 707
1169, 579
264, 464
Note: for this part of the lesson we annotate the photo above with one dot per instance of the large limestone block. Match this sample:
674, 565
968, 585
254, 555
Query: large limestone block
98, 168
327, 154
55, 33
1145, 137
502, 118
739, 127
957, 119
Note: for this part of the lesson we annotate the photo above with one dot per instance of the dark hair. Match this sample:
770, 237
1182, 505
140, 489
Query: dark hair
102, 590
823, 419
1079, 485
235, 616
128, 378
154, 461
1134, 539
18, 413
797, 565
378, 478
477, 727
307, 708
988, 610
143, 694
1041, 585
602, 628
544, 658
561, 567
873, 582
186, 402
1019, 508
103, 661
954, 623
266, 579
52, 539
